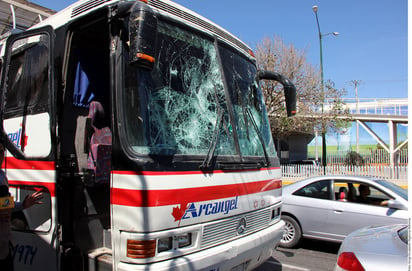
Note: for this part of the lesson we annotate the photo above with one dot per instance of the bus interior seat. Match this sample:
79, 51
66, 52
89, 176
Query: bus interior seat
100, 144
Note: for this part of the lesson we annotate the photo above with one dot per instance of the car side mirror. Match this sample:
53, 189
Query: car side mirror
395, 204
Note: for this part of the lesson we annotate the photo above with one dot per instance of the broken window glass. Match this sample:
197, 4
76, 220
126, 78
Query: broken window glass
180, 106
252, 123
173, 109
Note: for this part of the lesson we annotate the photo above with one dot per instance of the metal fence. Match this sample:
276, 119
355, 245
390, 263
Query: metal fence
377, 156
397, 174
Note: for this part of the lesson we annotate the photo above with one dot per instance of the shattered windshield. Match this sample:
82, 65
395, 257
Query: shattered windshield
180, 106
252, 123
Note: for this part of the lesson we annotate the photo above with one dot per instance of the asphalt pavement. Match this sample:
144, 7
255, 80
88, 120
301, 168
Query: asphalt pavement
311, 255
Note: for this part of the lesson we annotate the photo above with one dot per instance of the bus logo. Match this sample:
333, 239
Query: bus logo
194, 210
17, 139
241, 227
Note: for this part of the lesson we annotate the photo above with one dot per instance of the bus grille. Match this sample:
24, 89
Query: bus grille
224, 231
87, 6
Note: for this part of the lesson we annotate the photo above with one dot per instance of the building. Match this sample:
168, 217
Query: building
20, 15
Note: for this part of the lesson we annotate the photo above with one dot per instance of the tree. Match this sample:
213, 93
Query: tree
354, 159
275, 55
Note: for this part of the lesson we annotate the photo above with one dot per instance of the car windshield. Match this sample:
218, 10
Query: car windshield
396, 189
189, 104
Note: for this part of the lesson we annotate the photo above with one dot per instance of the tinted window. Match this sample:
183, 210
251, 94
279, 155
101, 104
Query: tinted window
27, 83
398, 190
26, 99
358, 193
318, 190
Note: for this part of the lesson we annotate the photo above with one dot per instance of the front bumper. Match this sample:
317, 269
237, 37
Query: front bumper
242, 254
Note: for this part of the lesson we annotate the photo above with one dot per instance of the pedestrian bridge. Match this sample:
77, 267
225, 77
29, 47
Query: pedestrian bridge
390, 111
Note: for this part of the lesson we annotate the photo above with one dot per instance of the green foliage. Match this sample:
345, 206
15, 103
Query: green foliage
318, 108
353, 158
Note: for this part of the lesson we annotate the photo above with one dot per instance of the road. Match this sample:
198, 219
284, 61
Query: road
311, 255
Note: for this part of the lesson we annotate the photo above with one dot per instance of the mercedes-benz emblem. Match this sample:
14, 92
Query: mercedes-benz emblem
241, 226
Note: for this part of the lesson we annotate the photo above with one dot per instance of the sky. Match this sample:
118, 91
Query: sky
372, 45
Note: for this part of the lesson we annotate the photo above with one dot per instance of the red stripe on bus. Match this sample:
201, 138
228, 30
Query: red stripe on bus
158, 173
153, 198
50, 186
14, 163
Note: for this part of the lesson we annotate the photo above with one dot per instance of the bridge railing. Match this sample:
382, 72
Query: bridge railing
376, 106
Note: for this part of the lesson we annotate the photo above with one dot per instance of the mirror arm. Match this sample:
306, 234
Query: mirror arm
288, 88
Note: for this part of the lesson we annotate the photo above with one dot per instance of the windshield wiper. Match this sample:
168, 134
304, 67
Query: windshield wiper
249, 113
211, 152
207, 162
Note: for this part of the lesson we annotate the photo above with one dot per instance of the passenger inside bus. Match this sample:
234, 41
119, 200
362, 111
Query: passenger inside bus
100, 144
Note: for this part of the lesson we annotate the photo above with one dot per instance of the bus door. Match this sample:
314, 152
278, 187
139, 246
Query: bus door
28, 127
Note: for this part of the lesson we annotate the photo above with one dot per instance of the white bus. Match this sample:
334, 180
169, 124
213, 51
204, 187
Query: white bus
145, 128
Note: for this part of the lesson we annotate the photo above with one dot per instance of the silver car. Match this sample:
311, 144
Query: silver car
331, 207
375, 248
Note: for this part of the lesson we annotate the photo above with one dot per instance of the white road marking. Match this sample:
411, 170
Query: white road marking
289, 266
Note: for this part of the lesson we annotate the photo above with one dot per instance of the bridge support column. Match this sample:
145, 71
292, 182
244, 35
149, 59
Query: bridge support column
392, 143
391, 148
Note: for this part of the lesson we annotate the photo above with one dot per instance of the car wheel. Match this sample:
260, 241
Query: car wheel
291, 234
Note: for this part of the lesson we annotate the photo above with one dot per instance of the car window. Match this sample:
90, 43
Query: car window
396, 189
359, 193
404, 234
318, 190
342, 191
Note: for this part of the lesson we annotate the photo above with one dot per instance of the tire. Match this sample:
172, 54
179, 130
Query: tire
292, 233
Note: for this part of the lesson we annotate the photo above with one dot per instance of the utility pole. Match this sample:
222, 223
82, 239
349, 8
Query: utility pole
356, 83
324, 158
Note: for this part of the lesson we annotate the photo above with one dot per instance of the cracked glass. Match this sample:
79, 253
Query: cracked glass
181, 106
252, 123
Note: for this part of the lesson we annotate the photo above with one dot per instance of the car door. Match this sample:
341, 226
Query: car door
310, 205
347, 215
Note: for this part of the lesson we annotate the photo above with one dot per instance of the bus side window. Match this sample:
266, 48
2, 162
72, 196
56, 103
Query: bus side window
26, 107
36, 218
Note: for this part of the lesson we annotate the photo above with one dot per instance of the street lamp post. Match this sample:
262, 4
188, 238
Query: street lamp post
323, 132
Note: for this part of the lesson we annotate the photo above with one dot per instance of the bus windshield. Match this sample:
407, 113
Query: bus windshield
181, 105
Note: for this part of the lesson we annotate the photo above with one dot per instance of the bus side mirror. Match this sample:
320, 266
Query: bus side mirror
288, 88
142, 36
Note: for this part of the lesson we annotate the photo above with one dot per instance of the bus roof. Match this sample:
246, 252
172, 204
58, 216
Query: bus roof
164, 7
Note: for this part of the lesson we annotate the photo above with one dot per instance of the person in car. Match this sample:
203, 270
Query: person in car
364, 193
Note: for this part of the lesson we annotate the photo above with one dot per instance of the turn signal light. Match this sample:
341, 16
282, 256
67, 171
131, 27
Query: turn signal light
349, 262
141, 249
145, 57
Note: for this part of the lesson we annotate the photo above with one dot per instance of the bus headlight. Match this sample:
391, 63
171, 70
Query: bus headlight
184, 240
164, 244
175, 242
158, 246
